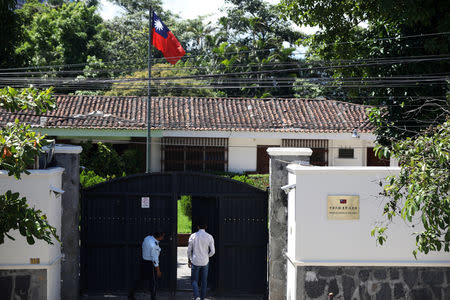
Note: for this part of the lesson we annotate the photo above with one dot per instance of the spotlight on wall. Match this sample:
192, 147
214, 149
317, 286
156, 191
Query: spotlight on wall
355, 134
288, 188
56, 190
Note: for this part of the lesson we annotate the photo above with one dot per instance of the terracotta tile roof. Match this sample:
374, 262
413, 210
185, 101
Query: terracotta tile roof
192, 113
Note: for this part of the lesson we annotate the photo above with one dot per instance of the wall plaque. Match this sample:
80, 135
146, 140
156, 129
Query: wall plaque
343, 207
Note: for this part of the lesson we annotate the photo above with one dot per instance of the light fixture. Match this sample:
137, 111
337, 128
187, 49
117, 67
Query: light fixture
288, 188
56, 190
355, 134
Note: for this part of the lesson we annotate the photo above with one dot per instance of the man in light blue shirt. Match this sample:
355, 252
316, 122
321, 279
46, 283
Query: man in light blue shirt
150, 263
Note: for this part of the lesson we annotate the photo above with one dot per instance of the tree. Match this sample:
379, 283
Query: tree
249, 41
8, 32
60, 35
367, 41
19, 147
422, 188
362, 34
166, 81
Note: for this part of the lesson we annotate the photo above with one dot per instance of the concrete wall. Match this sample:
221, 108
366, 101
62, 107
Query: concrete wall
318, 246
242, 153
360, 152
15, 255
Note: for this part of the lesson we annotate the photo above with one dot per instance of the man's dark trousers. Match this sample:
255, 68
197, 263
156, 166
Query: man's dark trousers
148, 276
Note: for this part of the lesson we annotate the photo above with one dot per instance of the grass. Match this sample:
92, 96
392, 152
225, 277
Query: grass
184, 224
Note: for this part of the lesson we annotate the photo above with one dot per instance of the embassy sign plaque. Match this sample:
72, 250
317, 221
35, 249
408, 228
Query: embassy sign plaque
343, 207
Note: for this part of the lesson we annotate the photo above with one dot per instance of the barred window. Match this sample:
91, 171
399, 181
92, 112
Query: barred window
346, 153
194, 154
319, 147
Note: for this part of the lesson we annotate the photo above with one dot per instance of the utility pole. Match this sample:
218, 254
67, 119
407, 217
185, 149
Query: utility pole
149, 99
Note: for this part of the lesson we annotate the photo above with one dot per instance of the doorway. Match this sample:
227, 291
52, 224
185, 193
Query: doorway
184, 230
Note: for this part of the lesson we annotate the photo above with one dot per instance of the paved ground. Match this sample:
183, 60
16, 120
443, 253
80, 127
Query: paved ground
183, 286
183, 271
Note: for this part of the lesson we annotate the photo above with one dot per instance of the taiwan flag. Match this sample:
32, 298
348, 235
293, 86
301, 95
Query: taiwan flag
166, 42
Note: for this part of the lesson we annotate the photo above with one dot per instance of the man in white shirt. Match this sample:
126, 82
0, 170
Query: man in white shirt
200, 249
150, 263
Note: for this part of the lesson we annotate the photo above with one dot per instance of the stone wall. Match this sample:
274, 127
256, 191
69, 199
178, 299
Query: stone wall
279, 159
23, 284
374, 283
68, 157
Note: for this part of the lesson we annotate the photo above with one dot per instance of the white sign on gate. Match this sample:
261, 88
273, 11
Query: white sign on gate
145, 202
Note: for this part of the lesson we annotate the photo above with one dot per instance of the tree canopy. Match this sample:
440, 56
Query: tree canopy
393, 54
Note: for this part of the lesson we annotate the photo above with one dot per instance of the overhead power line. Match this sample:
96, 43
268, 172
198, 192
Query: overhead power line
227, 53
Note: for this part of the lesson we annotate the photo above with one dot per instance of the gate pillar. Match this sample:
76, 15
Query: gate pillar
279, 159
68, 157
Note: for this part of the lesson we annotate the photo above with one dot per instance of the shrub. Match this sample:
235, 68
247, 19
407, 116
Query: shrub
186, 206
89, 178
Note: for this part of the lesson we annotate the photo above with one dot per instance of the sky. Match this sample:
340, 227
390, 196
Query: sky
186, 9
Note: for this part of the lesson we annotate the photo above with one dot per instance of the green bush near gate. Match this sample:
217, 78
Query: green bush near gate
89, 178
184, 222
186, 206
260, 181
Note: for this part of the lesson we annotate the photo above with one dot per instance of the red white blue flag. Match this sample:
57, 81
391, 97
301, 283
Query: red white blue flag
166, 42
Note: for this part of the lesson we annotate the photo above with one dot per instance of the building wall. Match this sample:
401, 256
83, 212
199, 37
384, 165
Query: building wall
341, 254
360, 152
242, 153
242, 144
15, 255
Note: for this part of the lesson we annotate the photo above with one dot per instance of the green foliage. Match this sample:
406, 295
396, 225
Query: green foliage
32, 223
89, 178
19, 147
186, 206
28, 99
260, 181
65, 34
421, 190
250, 39
352, 30
106, 162
102, 159
134, 161
165, 83
184, 222
8, 33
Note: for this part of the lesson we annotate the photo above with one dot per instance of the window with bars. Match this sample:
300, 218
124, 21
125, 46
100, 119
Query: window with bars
346, 153
319, 147
194, 154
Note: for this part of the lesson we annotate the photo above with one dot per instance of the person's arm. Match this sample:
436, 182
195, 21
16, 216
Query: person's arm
189, 251
155, 259
212, 250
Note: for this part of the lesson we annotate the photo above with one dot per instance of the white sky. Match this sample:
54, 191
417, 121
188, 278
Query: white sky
186, 9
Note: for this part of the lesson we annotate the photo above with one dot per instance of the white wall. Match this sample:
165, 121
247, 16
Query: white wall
360, 152
242, 152
16, 254
156, 155
321, 241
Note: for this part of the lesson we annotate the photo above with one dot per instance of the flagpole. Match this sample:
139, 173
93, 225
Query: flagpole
149, 110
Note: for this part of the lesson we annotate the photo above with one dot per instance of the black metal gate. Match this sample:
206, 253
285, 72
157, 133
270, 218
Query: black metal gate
114, 223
